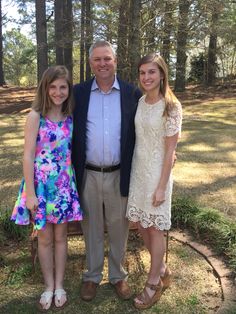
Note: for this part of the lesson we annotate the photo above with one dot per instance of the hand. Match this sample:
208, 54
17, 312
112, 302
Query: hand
32, 203
158, 197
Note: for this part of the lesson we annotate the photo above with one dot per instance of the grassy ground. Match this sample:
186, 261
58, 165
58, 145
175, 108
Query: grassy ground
205, 171
190, 293
206, 166
11, 153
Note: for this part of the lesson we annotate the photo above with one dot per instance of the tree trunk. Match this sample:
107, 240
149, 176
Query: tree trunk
88, 36
68, 35
152, 29
167, 28
211, 60
82, 41
2, 81
41, 37
134, 38
122, 41
182, 36
59, 23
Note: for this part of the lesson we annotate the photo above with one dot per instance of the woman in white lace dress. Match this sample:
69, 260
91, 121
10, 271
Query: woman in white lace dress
157, 126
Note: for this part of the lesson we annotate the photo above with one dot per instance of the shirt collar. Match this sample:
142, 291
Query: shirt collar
115, 85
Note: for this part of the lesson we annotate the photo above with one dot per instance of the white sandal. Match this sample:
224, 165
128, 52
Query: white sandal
45, 301
58, 296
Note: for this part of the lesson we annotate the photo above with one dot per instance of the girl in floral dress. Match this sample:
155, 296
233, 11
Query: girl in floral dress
157, 128
48, 197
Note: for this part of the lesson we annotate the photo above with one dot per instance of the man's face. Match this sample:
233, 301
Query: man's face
103, 63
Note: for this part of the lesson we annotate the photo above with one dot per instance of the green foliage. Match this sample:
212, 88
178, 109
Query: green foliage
19, 59
231, 253
2, 261
198, 68
10, 230
107, 12
183, 211
207, 224
193, 300
19, 274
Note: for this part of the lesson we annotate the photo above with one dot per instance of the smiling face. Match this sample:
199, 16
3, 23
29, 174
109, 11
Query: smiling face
103, 64
150, 76
58, 91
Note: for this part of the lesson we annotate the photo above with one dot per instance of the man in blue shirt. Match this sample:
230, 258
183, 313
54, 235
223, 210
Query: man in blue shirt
103, 143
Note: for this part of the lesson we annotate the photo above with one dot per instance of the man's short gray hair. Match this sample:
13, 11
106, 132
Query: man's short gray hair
101, 43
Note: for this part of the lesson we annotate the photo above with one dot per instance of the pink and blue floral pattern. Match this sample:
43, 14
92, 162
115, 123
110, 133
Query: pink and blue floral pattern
54, 178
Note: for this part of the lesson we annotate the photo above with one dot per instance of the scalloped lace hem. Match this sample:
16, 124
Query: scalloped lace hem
160, 222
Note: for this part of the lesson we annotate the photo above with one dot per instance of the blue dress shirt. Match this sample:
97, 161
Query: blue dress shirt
104, 126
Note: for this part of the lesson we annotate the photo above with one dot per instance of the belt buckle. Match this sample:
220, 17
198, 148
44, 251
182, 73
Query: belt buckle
102, 169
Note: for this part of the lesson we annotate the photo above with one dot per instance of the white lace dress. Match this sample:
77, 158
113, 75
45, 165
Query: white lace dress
151, 128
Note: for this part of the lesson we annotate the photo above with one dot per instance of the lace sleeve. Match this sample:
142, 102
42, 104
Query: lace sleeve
174, 121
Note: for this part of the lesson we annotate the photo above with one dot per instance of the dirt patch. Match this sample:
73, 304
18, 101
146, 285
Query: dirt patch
195, 94
189, 292
15, 99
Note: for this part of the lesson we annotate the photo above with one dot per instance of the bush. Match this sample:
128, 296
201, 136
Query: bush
10, 230
207, 224
198, 68
183, 211
231, 253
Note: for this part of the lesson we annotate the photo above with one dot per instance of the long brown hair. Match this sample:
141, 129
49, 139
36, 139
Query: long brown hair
42, 102
169, 96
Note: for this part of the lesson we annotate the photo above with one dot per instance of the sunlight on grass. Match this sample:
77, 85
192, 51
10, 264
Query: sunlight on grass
205, 171
187, 266
200, 148
217, 111
205, 168
206, 164
11, 153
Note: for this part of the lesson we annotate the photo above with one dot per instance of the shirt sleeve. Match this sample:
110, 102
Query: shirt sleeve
174, 121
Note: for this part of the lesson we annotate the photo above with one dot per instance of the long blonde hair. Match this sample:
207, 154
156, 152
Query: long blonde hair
170, 98
42, 102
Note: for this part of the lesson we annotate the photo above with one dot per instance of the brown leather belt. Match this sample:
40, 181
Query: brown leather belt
103, 169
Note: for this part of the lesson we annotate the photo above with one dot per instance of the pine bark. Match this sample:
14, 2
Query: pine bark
82, 41
88, 35
182, 36
2, 80
134, 46
167, 28
68, 35
212, 50
59, 23
122, 41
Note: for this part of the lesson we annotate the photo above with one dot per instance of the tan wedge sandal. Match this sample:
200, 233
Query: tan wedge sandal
166, 278
144, 297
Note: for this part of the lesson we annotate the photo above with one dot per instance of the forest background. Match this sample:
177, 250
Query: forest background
197, 38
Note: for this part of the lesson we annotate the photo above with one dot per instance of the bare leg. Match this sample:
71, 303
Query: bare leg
145, 235
45, 252
156, 244
157, 251
147, 242
60, 241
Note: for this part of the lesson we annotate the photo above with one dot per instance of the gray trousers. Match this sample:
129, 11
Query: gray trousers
102, 204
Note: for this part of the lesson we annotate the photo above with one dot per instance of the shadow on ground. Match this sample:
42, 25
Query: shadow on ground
195, 287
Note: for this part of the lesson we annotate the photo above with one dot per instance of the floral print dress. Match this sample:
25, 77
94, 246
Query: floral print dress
54, 178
